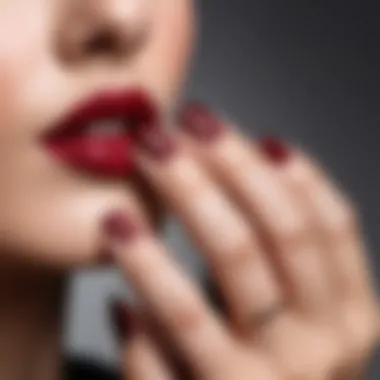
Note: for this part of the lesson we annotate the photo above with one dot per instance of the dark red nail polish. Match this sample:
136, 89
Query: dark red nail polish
123, 321
274, 149
119, 227
155, 141
106, 257
200, 122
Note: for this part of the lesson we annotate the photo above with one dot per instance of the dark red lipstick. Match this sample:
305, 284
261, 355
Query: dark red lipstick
98, 135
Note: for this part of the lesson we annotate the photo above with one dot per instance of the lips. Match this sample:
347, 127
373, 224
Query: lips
97, 136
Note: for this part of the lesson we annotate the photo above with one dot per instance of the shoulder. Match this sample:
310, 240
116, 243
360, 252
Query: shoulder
83, 369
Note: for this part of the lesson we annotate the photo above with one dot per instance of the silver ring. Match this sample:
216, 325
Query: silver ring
267, 317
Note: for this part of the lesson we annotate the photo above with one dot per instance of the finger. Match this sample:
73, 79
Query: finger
142, 358
217, 227
344, 254
178, 363
170, 294
255, 186
336, 220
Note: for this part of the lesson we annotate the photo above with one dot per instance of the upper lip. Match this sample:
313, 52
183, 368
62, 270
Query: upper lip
134, 107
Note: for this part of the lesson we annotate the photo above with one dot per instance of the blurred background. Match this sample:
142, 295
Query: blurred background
308, 71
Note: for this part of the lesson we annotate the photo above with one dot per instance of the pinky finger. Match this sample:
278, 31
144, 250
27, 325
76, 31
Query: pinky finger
142, 358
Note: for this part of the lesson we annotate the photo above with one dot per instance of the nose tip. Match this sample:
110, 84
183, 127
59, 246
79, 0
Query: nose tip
103, 28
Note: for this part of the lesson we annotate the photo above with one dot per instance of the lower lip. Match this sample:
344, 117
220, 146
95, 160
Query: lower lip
103, 155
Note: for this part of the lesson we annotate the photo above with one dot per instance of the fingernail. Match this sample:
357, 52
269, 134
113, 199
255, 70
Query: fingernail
155, 141
200, 122
274, 149
120, 227
124, 321
106, 257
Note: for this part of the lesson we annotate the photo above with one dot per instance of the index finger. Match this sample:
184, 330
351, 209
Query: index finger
170, 294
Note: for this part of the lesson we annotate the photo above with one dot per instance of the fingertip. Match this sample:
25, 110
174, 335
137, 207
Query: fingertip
124, 321
274, 149
200, 122
120, 227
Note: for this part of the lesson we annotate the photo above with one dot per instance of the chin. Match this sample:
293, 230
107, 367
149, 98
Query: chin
59, 191
63, 230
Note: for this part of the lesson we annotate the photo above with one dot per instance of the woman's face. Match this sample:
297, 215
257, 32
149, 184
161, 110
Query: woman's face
55, 55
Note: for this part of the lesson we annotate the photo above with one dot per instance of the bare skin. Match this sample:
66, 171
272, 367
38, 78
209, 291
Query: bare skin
49, 214
281, 239
324, 313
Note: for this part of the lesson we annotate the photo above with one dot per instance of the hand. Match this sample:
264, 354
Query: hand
284, 248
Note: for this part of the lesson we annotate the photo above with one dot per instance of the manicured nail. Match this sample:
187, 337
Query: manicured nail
124, 321
155, 141
200, 122
106, 257
120, 227
274, 149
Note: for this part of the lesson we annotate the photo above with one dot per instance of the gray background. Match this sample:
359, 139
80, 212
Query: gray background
308, 71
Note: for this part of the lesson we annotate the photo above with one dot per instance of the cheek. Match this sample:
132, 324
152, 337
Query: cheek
20, 54
172, 45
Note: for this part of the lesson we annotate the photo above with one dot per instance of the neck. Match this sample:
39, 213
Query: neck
30, 324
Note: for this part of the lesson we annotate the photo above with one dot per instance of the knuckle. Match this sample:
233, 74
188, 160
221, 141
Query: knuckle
362, 335
377, 326
372, 331
293, 235
319, 362
330, 358
345, 221
367, 339
298, 373
336, 355
238, 254
188, 316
